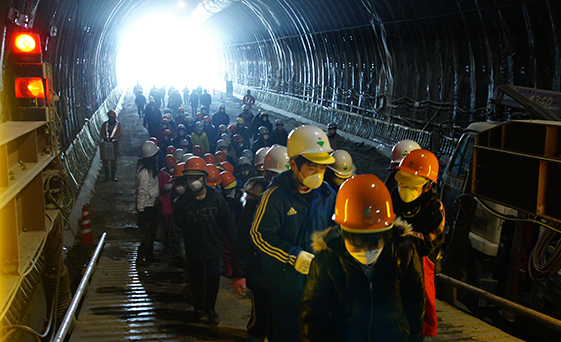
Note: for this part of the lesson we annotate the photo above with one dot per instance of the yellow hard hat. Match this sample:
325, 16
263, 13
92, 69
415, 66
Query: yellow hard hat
311, 143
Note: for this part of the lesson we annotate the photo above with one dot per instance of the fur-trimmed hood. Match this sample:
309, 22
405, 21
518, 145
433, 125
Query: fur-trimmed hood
320, 238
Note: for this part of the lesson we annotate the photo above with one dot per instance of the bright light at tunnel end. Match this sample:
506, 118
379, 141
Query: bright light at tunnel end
160, 49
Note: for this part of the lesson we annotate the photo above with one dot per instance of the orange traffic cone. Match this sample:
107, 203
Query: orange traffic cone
86, 236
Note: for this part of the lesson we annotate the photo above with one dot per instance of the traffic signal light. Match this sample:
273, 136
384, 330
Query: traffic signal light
30, 87
30, 92
26, 47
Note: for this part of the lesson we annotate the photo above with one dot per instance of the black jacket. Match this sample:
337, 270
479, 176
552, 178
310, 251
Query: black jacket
247, 262
279, 137
206, 100
341, 303
220, 118
259, 143
152, 119
204, 224
426, 215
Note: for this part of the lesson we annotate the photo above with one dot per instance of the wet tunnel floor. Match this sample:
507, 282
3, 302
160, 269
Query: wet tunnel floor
127, 301
144, 302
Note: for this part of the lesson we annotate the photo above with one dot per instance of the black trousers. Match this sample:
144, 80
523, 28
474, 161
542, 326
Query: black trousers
148, 222
204, 277
259, 324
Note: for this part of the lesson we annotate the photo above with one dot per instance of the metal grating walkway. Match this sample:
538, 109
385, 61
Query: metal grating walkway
129, 303
126, 302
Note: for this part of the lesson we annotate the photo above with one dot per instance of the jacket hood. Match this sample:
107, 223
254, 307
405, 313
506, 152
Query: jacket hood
320, 239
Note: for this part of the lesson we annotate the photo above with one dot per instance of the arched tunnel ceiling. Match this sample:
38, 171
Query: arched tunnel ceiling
332, 52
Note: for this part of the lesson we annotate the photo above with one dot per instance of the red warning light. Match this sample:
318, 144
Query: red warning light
27, 43
30, 87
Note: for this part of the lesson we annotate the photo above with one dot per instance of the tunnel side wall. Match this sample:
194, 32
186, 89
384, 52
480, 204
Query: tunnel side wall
415, 62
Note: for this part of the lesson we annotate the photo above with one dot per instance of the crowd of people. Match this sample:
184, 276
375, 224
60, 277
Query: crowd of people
329, 255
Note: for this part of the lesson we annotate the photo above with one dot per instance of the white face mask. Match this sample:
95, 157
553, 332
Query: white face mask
245, 172
366, 257
408, 194
170, 170
313, 181
265, 136
180, 189
195, 186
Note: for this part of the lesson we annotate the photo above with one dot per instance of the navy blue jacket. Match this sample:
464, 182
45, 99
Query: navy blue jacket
282, 227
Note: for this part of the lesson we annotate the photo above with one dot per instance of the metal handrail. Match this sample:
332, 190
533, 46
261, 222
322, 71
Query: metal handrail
505, 303
70, 314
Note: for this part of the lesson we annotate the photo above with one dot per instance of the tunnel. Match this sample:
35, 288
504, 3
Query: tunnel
382, 71
416, 64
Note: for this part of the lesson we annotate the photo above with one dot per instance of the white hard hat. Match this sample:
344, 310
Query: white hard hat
226, 137
247, 153
311, 143
243, 160
178, 153
343, 165
221, 143
276, 159
263, 130
260, 156
403, 148
148, 149
186, 156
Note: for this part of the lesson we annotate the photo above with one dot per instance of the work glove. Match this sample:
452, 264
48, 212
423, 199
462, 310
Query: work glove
239, 286
303, 261
168, 187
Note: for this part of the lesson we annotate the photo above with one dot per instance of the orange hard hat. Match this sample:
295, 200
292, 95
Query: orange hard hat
220, 157
181, 109
232, 128
206, 118
420, 163
199, 116
228, 180
167, 131
227, 166
214, 177
209, 158
178, 172
170, 161
364, 205
195, 166
170, 149
198, 151
154, 140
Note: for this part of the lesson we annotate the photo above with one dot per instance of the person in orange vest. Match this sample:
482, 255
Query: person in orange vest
416, 201
248, 99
